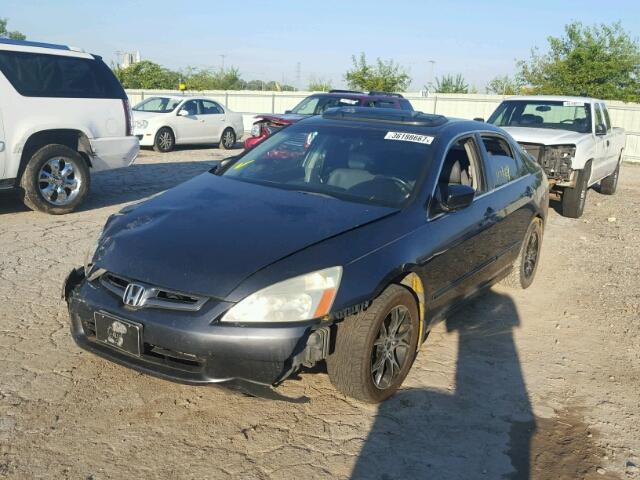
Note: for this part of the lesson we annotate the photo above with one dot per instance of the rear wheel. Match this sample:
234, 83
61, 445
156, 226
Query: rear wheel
573, 199
526, 264
164, 141
56, 180
375, 348
228, 139
609, 185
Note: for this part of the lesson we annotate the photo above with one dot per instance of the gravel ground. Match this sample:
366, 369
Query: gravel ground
542, 383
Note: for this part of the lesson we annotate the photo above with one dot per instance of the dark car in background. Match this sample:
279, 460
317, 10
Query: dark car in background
318, 103
348, 249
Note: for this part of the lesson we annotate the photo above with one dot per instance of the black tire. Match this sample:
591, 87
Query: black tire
609, 185
164, 141
34, 188
350, 364
227, 139
525, 265
574, 199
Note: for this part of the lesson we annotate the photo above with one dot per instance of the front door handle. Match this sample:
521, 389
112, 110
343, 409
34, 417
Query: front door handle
528, 192
607, 143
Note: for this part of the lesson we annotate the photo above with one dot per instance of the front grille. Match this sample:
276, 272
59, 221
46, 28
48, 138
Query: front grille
154, 297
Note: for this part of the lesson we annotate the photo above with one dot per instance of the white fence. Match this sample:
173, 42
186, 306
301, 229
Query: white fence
625, 115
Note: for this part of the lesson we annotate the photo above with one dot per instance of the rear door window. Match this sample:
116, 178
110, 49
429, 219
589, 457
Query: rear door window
210, 108
503, 164
43, 75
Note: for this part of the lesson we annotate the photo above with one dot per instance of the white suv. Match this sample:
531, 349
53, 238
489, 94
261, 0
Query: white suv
62, 113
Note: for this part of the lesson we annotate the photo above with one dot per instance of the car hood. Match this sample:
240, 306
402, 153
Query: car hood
210, 233
284, 119
544, 136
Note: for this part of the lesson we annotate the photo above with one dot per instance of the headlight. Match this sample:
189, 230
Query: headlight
141, 124
255, 130
561, 152
559, 158
300, 298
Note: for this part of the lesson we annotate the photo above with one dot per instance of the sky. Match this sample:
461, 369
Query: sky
266, 40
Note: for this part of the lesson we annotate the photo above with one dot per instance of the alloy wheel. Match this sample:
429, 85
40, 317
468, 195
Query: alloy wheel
58, 181
228, 139
164, 140
531, 255
391, 349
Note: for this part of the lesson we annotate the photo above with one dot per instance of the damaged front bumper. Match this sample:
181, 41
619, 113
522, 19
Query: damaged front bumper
188, 347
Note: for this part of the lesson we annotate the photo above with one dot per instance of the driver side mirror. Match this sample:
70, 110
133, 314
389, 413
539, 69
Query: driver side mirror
601, 130
287, 111
478, 119
183, 113
452, 197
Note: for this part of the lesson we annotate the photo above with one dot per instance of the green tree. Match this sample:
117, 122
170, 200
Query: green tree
147, 74
319, 85
4, 33
451, 84
211, 79
385, 76
504, 85
599, 61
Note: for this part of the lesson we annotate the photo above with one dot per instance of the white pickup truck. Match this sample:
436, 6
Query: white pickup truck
63, 115
571, 138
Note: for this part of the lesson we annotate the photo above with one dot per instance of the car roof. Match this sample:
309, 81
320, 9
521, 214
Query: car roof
9, 44
410, 121
358, 94
555, 98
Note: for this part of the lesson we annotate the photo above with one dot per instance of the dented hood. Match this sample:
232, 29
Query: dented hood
210, 233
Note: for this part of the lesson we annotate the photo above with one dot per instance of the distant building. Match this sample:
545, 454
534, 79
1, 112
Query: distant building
129, 58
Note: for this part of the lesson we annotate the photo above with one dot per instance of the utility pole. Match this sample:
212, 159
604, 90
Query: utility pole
432, 77
222, 56
298, 71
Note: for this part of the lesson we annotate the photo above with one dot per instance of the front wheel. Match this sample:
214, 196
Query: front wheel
56, 180
375, 348
164, 141
526, 264
228, 139
573, 199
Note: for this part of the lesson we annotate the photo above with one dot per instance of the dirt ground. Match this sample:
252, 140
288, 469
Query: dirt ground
541, 384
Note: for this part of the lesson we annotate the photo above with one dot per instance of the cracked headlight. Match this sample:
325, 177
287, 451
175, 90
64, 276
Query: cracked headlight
300, 298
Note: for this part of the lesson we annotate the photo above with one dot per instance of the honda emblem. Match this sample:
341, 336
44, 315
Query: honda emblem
134, 295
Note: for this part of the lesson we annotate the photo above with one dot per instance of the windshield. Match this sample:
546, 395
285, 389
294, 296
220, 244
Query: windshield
567, 115
371, 165
157, 105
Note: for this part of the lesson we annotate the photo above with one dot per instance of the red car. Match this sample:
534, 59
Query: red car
316, 104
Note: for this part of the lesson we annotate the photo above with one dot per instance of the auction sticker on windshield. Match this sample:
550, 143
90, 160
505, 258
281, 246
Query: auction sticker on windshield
409, 137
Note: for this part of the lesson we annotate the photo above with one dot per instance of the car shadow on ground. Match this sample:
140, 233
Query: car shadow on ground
124, 185
482, 428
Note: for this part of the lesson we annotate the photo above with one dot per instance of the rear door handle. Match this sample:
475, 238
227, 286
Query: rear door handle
528, 192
